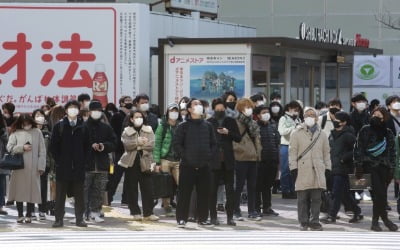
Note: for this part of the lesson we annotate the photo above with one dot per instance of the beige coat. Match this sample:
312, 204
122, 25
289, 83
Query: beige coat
131, 144
246, 150
25, 183
311, 168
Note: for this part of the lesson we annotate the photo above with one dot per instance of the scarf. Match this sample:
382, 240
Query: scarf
251, 125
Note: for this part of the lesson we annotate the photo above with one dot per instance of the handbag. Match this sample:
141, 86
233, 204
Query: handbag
146, 162
12, 161
162, 185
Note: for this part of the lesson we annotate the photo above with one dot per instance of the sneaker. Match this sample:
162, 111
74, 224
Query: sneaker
204, 223
254, 217
365, 197
270, 212
3, 212
214, 222
28, 220
356, 218
81, 223
181, 224
58, 223
72, 221
96, 218
315, 227
328, 220
20, 220
42, 216
33, 217
231, 222
151, 218
303, 227
357, 196
239, 217
137, 217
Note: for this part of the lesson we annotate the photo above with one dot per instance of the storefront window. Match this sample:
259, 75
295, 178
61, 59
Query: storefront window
277, 76
330, 81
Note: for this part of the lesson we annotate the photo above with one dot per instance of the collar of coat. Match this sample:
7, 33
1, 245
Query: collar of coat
131, 131
303, 126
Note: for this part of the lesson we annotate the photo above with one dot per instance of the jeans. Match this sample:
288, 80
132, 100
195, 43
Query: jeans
246, 171
287, 184
308, 206
341, 193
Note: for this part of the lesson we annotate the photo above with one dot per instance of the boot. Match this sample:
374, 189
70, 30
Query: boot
375, 226
390, 225
356, 218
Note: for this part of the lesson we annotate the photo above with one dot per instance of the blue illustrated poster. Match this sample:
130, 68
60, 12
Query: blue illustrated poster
211, 81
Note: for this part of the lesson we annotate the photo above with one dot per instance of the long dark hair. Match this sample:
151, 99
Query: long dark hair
19, 123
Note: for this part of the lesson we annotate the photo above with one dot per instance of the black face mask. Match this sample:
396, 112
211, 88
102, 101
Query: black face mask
376, 123
336, 124
128, 105
219, 115
334, 110
231, 105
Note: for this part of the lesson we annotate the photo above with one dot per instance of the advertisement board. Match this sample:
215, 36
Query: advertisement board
371, 71
53, 50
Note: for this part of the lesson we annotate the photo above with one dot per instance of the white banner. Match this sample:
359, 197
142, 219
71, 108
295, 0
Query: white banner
205, 76
50, 50
371, 71
396, 71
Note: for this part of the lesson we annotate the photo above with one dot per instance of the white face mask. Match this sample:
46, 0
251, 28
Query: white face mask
27, 127
173, 115
7, 116
95, 114
296, 113
72, 112
309, 121
144, 107
361, 106
275, 109
47, 112
259, 103
138, 122
198, 110
265, 117
182, 105
396, 106
183, 117
248, 112
40, 120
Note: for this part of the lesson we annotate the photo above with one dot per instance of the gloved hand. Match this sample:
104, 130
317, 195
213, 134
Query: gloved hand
293, 173
359, 171
390, 175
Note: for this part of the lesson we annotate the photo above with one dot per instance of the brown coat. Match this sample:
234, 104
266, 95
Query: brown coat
25, 183
129, 139
311, 167
246, 149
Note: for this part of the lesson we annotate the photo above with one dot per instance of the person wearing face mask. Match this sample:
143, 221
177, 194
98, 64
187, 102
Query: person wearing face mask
226, 132
268, 167
102, 141
375, 153
275, 97
69, 146
84, 101
39, 117
247, 153
341, 141
322, 108
276, 111
326, 121
286, 126
208, 112
309, 162
118, 124
142, 103
359, 116
195, 144
164, 155
26, 139
138, 140
230, 98
183, 107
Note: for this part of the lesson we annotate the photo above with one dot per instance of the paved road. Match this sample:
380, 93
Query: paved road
199, 240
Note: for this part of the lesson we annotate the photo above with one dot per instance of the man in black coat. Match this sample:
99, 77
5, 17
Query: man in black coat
102, 141
341, 141
117, 123
195, 144
222, 166
69, 144
268, 167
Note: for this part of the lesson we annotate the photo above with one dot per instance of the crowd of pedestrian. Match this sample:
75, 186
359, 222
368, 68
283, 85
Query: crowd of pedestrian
215, 155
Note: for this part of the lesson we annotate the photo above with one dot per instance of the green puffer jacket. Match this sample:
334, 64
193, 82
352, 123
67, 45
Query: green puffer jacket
162, 145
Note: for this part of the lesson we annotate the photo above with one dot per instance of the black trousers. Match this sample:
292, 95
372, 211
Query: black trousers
114, 180
245, 171
62, 187
29, 209
266, 173
379, 194
227, 175
43, 193
133, 177
188, 178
